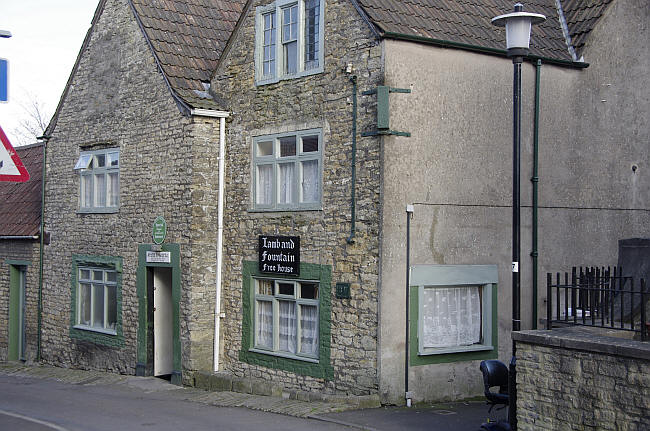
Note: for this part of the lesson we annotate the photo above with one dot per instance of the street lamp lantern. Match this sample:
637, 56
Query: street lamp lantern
518, 25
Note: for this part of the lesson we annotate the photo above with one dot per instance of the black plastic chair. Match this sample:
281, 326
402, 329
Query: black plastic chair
495, 373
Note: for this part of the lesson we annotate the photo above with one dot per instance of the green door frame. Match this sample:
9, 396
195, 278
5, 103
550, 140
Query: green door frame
17, 339
145, 338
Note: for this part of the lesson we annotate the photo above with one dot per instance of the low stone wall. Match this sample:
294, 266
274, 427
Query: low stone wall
581, 379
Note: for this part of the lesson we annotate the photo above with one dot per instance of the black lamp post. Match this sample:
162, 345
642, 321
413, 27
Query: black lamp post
518, 25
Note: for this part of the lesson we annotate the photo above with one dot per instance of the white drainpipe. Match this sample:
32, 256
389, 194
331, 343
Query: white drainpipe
222, 168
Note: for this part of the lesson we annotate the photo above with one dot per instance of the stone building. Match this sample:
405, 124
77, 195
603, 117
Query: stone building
282, 141
20, 245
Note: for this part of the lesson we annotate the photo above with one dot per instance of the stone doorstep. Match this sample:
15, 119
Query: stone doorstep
223, 382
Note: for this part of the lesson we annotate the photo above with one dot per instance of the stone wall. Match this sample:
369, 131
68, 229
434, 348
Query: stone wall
118, 98
574, 379
321, 101
23, 251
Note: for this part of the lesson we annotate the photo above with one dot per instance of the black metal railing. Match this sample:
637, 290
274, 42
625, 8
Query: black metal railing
597, 297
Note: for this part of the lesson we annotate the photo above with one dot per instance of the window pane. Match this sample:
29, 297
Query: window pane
100, 160
84, 161
264, 324
451, 316
111, 307
84, 274
265, 148
98, 275
111, 276
265, 287
98, 306
84, 304
113, 191
290, 23
309, 144
100, 190
264, 189
312, 23
309, 291
309, 329
113, 159
286, 289
87, 191
287, 326
288, 146
291, 57
310, 181
269, 45
286, 183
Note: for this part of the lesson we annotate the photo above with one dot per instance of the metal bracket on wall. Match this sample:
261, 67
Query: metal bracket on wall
383, 113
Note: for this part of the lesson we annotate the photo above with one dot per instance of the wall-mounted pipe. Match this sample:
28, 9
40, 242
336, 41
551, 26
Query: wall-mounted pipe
353, 203
220, 203
535, 180
409, 214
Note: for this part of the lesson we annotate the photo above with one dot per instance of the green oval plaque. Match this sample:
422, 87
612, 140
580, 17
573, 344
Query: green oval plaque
159, 231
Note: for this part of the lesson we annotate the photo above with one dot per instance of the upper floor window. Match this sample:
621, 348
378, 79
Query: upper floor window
99, 189
289, 39
287, 171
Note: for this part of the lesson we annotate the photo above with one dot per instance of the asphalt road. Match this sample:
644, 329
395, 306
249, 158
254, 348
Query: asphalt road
28, 404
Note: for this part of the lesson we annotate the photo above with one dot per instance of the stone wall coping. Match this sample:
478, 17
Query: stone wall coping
585, 339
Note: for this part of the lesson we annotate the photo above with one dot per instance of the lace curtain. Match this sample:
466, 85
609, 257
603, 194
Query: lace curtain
264, 184
309, 329
287, 326
264, 321
310, 181
451, 316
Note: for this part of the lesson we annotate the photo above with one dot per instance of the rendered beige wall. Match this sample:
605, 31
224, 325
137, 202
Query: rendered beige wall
457, 169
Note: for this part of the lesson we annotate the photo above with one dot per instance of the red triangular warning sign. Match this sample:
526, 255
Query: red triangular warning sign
11, 168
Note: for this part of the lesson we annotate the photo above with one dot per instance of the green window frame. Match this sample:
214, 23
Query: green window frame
289, 40
317, 364
461, 298
288, 171
96, 299
99, 180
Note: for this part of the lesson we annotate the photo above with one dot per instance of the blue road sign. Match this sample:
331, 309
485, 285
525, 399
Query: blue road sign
4, 70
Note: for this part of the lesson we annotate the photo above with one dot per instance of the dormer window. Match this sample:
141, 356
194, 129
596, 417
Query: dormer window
289, 40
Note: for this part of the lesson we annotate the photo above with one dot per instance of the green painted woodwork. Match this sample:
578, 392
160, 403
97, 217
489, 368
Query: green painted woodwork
308, 271
15, 275
415, 359
108, 262
144, 339
383, 116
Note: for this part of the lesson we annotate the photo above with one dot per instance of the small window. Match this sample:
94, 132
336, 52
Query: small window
96, 300
300, 48
287, 171
286, 318
99, 185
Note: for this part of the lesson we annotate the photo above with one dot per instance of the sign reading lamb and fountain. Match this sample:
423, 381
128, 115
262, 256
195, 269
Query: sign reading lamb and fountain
279, 254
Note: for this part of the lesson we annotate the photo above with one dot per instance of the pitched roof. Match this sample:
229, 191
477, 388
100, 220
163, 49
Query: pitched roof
187, 38
581, 17
20, 208
467, 23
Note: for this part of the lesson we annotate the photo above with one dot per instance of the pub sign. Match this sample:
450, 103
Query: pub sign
279, 254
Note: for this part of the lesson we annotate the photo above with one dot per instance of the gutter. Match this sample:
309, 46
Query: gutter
18, 237
479, 49
218, 315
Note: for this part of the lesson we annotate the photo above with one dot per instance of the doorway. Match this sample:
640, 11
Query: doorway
162, 329
17, 281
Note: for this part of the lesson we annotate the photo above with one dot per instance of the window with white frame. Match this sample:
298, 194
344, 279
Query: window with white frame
456, 307
287, 171
96, 301
99, 172
286, 318
289, 39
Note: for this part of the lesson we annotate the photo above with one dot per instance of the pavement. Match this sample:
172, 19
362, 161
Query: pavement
456, 416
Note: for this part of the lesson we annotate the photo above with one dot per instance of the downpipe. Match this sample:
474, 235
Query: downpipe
353, 203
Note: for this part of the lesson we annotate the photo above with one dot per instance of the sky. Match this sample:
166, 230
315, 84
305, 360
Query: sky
46, 38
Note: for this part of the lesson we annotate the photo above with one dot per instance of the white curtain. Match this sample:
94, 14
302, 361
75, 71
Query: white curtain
286, 183
87, 187
451, 316
287, 328
309, 329
264, 184
113, 189
264, 321
100, 190
310, 181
